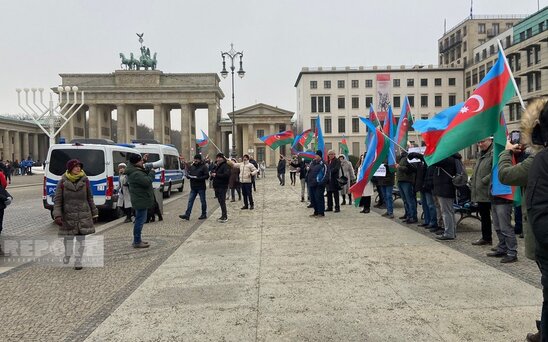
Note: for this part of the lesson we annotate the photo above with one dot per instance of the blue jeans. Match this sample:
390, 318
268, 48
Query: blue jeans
140, 218
429, 209
388, 199
192, 197
247, 194
316, 199
409, 199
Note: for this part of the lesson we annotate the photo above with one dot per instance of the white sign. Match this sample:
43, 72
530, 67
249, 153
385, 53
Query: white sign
381, 171
416, 150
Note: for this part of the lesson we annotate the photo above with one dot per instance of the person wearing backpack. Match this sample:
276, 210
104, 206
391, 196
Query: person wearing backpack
317, 178
480, 186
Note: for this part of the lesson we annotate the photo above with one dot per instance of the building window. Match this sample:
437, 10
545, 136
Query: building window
327, 84
340, 84
496, 29
342, 125
355, 125
464, 31
537, 80
356, 148
260, 133
327, 103
464, 47
327, 124
355, 102
541, 27
437, 100
313, 104
355, 84
319, 104
424, 82
328, 146
368, 101
530, 82
491, 50
481, 28
529, 32
452, 100
452, 81
410, 82
396, 83
369, 83
313, 124
424, 100
396, 101
313, 84
411, 100
437, 82
484, 54
340, 103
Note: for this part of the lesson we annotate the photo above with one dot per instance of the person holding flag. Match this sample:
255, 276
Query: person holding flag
480, 186
365, 200
316, 179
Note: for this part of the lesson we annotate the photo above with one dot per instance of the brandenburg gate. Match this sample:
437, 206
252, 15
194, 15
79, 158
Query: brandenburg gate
127, 91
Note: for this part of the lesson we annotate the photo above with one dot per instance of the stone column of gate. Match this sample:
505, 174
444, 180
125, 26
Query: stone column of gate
131, 115
226, 144
271, 153
219, 136
16, 146
105, 122
122, 124
158, 123
193, 146
6, 146
166, 113
185, 131
35, 152
25, 145
212, 125
93, 122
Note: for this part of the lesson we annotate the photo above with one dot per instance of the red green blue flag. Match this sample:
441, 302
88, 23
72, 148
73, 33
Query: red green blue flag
318, 134
343, 145
204, 141
377, 151
405, 121
307, 155
304, 139
499, 144
477, 119
279, 139
390, 131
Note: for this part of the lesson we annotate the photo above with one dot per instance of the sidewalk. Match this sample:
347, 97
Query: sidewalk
21, 181
274, 274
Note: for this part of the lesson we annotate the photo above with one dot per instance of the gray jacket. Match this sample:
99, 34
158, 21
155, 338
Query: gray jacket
481, 177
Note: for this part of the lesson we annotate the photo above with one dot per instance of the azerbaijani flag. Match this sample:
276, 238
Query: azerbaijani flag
307, 155
318, 134
389, 130
431, 129
343, 145
499, 144
377, 150
375, 120
303, 139
402, 131
278, 139
204, 141
478, 118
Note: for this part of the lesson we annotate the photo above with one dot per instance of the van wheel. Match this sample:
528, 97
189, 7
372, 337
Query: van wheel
181, 187
167, 194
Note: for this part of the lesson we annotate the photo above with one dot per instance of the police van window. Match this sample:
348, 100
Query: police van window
119, 157
93, 160
171, 162
152, 157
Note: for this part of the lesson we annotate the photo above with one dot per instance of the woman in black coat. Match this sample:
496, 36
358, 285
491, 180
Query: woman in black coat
333, 167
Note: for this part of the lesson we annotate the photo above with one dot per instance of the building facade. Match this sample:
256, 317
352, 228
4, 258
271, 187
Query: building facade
341, 95
22, 139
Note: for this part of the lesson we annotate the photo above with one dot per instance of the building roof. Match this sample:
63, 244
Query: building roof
253, 108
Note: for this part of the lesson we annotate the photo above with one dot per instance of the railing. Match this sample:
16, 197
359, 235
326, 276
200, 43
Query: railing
489, 17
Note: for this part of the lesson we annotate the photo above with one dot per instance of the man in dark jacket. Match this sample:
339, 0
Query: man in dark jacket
253, 178
317, 179
303, 170
221, 176
481, 190
198, 173
406, 178
281, 170
424, 184
142, 195
444, 191
387, 186
333, 167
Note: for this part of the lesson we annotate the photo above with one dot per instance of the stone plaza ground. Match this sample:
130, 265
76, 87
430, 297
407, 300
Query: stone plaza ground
275, 274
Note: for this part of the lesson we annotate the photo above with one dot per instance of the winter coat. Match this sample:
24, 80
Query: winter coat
481, 177
294, 165
428, 185
443, 182
303, 169
234, 180
140, 187
281, 166
313, 171
73, 202
348, 171
517, 175
222, 175
387, 180
420, 175
537, 202
405, 171
247, 171
198, 174
333, 168
124, 198
369, 187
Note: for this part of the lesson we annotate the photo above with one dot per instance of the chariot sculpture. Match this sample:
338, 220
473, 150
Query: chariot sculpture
144, 61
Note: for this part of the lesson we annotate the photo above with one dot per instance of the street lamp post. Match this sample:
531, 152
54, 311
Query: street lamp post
232, 54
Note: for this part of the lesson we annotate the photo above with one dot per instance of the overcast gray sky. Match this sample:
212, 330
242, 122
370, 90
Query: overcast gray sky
42, 38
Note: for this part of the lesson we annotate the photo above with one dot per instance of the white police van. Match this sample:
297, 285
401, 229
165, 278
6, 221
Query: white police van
171, 176
100, 158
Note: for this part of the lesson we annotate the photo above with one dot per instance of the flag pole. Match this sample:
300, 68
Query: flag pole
511, 75
218, 149
387, 137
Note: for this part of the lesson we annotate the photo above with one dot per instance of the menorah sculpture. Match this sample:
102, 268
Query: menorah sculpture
60, 111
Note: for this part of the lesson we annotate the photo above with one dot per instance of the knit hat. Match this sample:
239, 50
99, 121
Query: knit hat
72, 163
198, 156
135, 158
319, 153
220, 155
122, 165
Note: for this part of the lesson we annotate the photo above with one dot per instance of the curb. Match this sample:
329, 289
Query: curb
22, 185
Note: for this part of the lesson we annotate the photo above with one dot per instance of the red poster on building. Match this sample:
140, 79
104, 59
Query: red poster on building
383, 95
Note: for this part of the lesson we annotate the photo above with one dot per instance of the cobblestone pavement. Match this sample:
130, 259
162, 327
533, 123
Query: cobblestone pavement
214, 263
